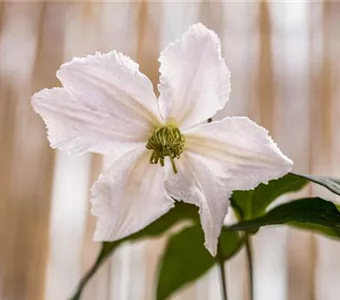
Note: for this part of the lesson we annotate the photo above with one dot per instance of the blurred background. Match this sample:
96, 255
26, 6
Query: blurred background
285, 66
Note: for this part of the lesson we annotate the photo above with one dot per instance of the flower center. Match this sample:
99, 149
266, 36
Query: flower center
166, 141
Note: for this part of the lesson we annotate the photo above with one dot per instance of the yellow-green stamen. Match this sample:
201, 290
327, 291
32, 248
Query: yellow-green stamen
166, 141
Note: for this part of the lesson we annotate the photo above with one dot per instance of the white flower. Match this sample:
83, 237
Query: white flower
107, 106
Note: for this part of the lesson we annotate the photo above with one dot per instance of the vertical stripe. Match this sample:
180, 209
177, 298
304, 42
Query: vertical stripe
326, 141
69, 204
269, 243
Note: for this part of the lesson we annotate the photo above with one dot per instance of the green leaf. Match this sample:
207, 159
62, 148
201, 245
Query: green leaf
315, 212
181, 211
185, 258
330, 183
326, 231
251, 204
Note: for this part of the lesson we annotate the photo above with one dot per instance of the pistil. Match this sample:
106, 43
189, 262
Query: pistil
166, 141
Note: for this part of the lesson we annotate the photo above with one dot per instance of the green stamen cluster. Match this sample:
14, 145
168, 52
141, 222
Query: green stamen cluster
166, 141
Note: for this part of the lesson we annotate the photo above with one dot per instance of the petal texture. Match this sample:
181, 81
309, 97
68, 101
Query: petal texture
248, 154
195, 81
129, 196
74, 127
111, 83
202, 182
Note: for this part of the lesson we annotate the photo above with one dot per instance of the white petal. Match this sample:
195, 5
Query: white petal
201, 181
111, 83
195, 81
248, 154
129, 196
74, 127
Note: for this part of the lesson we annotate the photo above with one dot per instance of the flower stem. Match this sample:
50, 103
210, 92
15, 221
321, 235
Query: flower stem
250, 265
222, 273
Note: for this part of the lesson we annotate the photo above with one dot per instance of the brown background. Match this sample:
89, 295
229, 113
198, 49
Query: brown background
284, 59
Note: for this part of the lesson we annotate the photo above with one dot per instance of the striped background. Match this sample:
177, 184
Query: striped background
285, 64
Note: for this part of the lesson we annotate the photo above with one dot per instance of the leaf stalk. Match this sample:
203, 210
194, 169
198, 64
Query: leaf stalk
249, 253
222, 273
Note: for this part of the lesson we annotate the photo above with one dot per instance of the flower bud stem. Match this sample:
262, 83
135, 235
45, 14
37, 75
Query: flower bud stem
222, 272
250, 265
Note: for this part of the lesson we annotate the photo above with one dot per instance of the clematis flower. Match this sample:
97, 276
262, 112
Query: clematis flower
164, 148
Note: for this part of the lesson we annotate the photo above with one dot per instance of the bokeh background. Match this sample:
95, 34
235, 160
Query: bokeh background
284, 60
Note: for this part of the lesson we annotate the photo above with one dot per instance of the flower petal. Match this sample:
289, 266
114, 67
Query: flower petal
246, 151
111, 83
195, 81
107, 106
74, 127
202, 182
129, 196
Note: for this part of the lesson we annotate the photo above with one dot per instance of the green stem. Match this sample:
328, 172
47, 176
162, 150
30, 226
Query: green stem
222, 273
250, 265
106, 250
